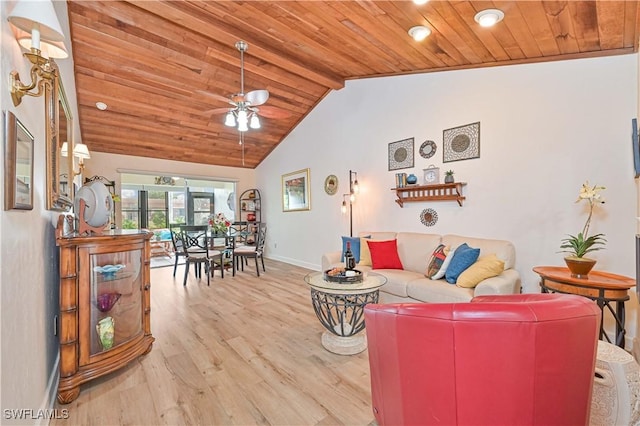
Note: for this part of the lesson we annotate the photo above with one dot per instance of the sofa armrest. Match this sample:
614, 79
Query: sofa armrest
508, 282
331, 258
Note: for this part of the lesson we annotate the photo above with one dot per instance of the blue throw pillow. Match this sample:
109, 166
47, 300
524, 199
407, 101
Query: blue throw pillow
355, 247
463, 257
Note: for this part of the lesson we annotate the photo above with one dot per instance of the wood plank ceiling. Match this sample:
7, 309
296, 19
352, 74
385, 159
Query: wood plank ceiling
163, 67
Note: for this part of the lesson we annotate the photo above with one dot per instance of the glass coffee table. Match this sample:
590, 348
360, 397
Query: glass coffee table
340, 309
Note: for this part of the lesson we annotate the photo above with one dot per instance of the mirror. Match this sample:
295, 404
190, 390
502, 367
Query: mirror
18, 159
59, 130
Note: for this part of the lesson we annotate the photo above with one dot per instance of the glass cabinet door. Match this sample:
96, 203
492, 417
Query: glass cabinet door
115, 308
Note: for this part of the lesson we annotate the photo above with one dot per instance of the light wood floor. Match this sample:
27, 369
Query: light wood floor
244, 351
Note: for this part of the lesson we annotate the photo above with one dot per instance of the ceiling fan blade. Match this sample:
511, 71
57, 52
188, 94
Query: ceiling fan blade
214, 96
273, 112
216, 111
257, 97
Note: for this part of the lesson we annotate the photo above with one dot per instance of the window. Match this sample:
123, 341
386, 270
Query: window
155, 202
130, 209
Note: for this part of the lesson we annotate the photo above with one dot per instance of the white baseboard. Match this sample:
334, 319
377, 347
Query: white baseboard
296, 262
51, 392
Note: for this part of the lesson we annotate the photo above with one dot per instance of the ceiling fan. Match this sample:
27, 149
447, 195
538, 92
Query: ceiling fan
244, 111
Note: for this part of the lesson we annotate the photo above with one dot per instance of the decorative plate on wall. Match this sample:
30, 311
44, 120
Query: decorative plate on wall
401, 154
428, 149
331, 184
429, 217
461, 143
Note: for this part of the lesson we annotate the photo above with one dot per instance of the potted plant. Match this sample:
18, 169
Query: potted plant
448, 176
579, 245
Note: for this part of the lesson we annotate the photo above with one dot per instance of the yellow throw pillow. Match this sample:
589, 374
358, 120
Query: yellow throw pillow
485, 267
365, 253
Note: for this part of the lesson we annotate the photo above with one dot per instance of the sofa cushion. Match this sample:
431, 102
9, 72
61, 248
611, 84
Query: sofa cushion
503, 249
365, 254
437, 259
486, 267
437, 291
355, 247
414, 249
463, 257
443, 269
397, 280
384, 254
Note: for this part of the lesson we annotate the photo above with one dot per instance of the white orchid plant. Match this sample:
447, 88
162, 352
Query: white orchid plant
581, 244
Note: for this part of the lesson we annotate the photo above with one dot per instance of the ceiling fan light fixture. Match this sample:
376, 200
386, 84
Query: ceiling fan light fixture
489, 17
419, 32
230, 120
254, 121
243, 120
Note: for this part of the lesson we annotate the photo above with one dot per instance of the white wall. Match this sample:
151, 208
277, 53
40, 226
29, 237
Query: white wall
545, 129
28, 254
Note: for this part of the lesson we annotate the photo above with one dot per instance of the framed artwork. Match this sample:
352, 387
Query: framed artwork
18, 165
427, 149
401, 154
461, 143
296, 193
331, 184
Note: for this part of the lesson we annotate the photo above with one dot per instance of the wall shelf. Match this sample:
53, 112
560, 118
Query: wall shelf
438, 192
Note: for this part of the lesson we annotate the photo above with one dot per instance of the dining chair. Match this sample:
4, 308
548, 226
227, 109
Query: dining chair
222, 245
178, 250
245, 252
195, 241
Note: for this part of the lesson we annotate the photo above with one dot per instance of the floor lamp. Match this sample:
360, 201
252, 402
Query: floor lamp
353, 190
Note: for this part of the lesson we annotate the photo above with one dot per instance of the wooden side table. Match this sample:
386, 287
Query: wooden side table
603, 287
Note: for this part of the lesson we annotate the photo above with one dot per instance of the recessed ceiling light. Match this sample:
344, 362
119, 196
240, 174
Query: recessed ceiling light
489, 17
420, 2
101, 106
419, 32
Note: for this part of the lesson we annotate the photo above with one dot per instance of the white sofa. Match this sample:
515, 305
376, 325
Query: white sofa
415, 249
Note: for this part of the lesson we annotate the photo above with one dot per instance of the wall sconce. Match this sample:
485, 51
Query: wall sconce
37, 18
80, 151
354, 189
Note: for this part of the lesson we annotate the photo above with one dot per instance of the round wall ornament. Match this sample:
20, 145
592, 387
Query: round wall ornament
428, 149
428, 217
331, 184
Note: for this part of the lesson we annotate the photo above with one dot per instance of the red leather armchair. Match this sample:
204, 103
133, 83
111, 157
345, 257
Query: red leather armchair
525, 359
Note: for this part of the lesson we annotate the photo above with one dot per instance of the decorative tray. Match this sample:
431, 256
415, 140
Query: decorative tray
339, 275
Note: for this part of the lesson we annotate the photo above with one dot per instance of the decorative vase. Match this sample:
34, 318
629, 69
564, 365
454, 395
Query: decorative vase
107, 300
579, 266
106, 331
412, 179
448, 179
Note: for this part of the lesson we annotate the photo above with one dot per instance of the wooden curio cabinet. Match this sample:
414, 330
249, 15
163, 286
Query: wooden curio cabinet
105, 309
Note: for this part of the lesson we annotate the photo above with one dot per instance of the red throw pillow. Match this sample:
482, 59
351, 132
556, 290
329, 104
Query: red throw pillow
384, 255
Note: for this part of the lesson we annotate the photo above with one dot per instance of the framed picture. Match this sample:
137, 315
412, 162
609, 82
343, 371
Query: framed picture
331, 184
296, 194
18, 165
461, 143
401, 154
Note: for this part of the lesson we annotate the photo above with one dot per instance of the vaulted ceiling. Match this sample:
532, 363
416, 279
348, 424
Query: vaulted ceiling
166, 69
